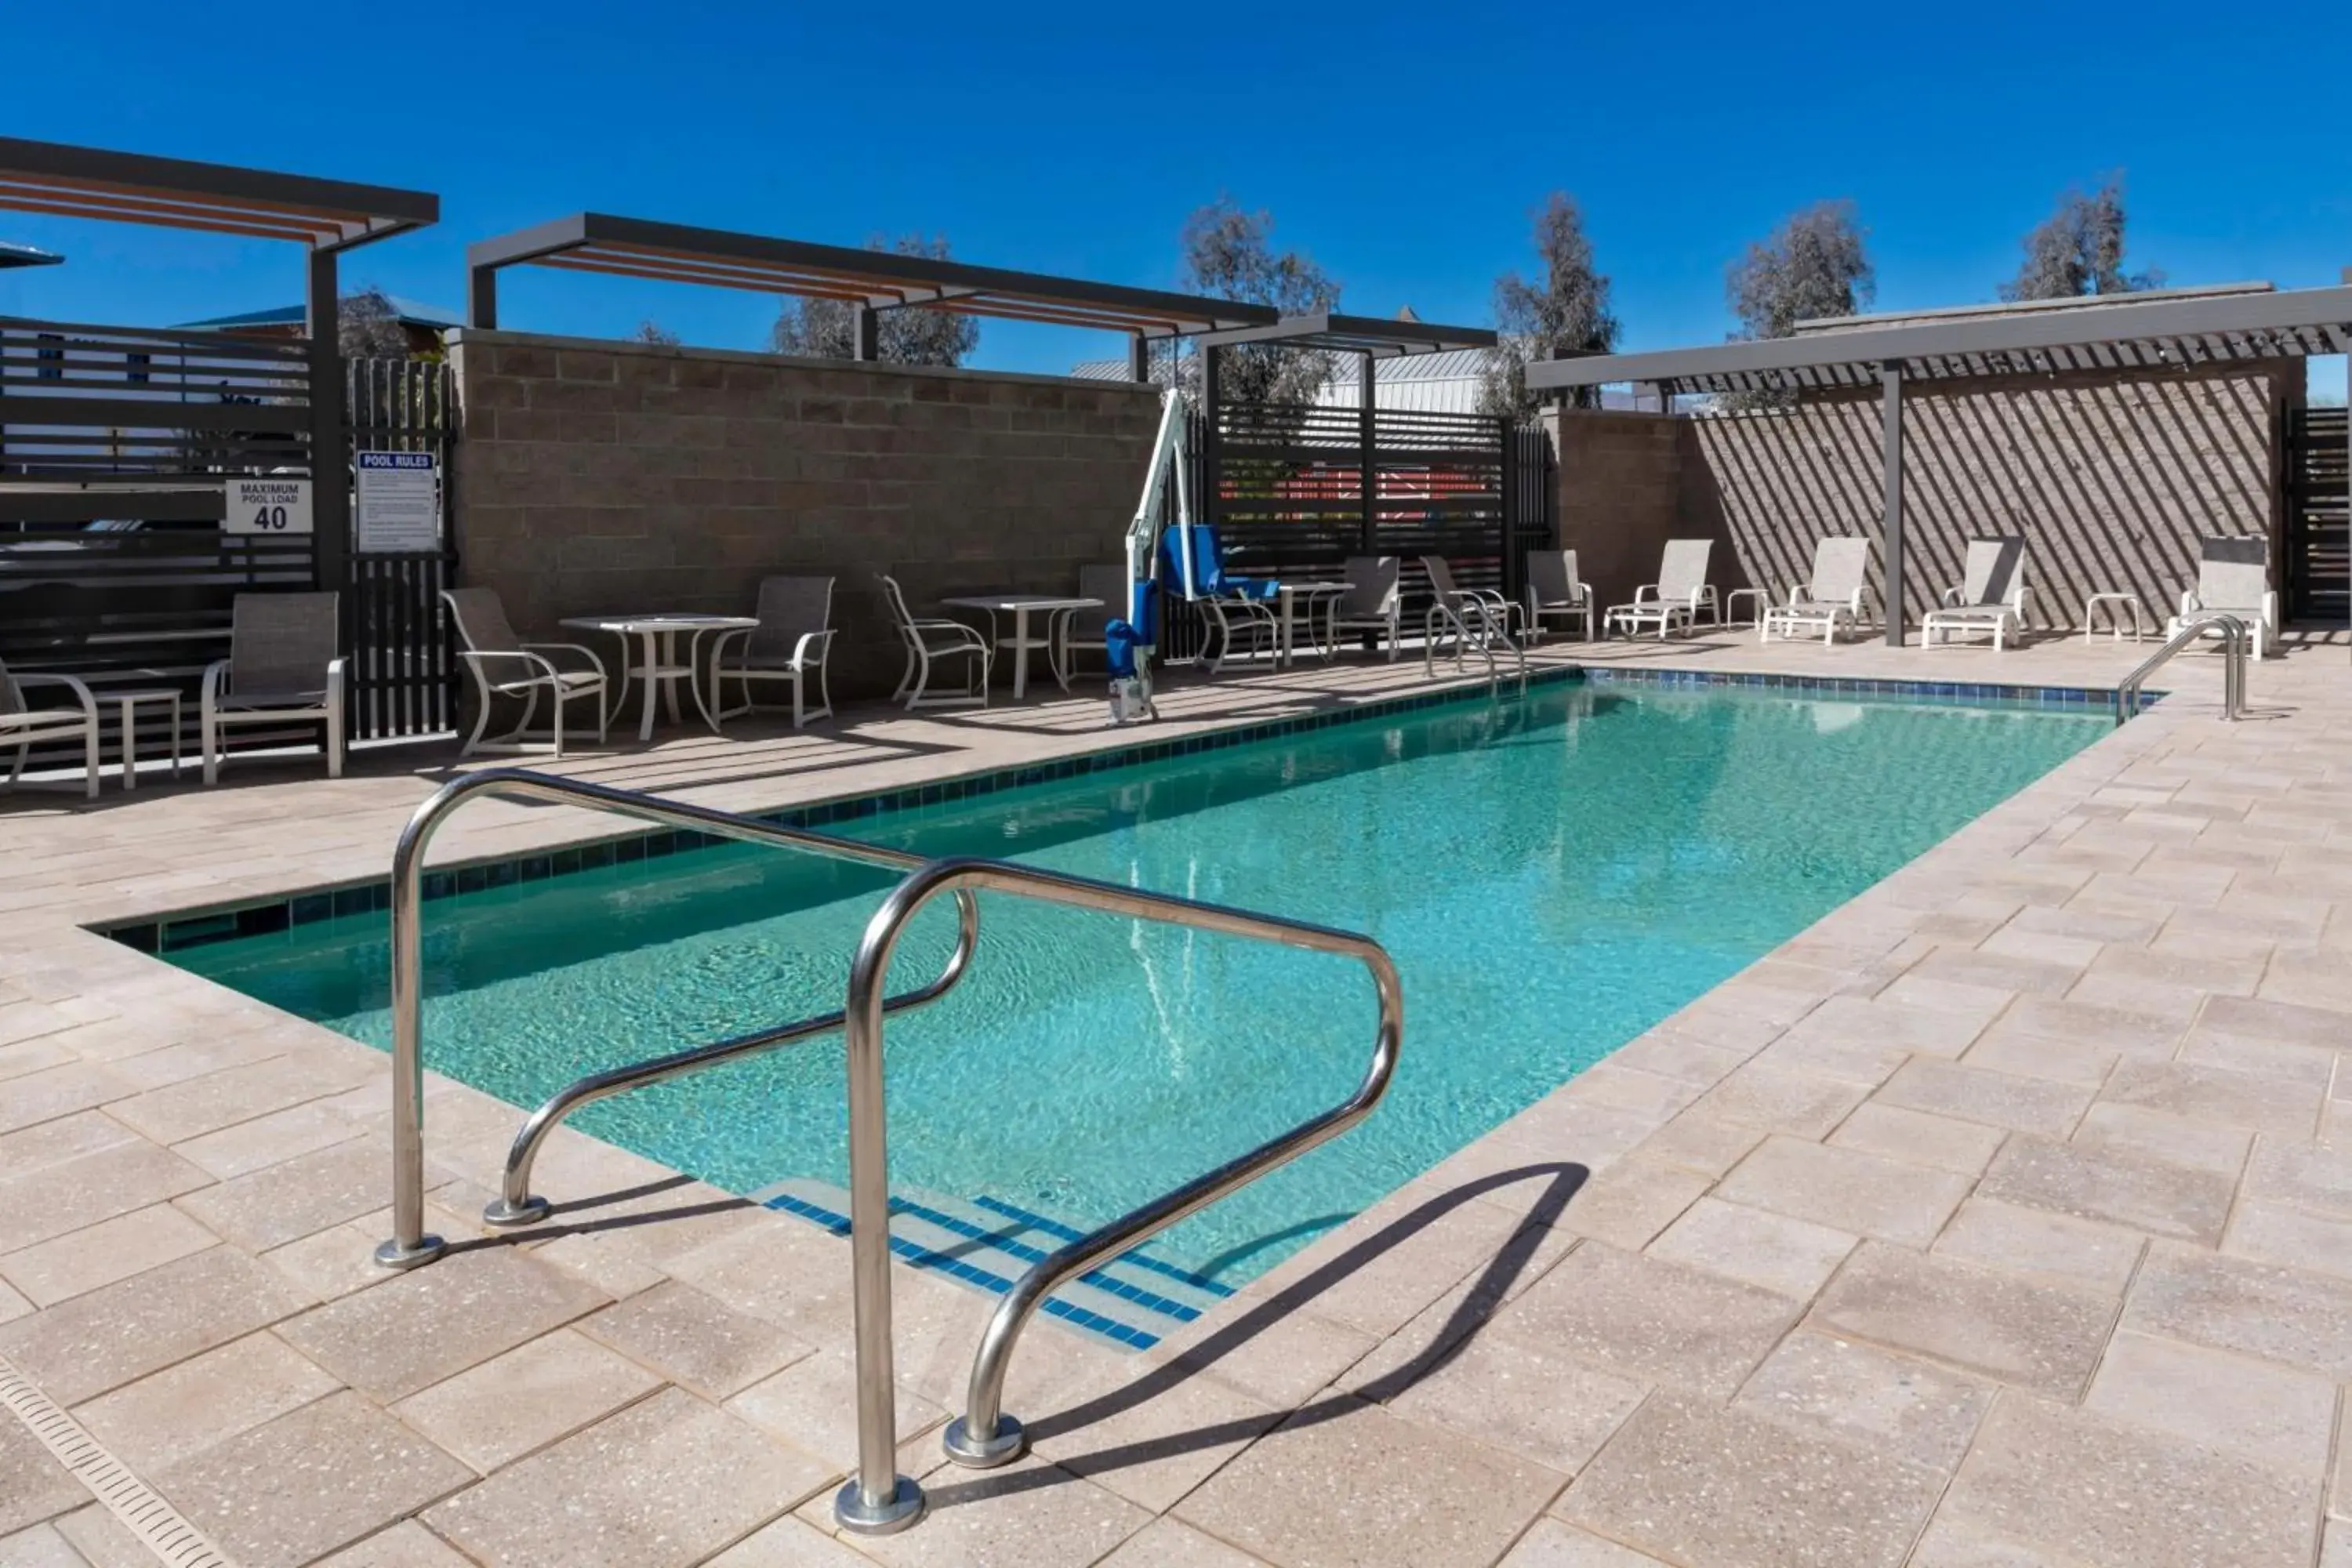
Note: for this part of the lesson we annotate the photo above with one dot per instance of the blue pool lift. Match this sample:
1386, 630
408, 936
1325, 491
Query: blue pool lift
1183, 559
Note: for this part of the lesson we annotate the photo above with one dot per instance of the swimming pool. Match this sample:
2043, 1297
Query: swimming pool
1553, 875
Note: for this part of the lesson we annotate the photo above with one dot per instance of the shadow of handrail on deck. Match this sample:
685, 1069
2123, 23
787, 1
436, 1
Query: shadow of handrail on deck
1485, 1297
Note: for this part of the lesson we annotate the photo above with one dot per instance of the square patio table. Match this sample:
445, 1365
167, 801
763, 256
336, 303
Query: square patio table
659, 667
1020, 606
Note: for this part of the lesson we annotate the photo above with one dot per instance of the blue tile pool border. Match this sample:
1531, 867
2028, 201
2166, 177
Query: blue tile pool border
196, 928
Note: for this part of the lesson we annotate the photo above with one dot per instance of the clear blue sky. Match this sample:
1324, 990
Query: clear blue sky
1402, 146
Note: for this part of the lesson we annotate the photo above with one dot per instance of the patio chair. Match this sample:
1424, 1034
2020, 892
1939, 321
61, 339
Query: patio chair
792, 642
24, 726
503, 665
1075, 629
1676, 596
284, 663
1991, 597
1833, 597
1374, 601
936, 641
1554, 589
1472, 618
2233, 578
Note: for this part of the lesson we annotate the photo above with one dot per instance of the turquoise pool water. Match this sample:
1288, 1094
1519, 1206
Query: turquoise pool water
1553, 876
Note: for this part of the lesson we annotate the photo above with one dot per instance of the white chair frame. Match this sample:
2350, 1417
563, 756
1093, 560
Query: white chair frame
937, 639
213, 716
30, 727
811, 651
538, 675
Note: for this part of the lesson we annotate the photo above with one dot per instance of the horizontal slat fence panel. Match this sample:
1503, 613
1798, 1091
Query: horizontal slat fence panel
2319, 516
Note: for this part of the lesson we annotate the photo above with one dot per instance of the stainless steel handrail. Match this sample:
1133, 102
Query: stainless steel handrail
2234, 639
878, 1500
1463, 639
410, 1246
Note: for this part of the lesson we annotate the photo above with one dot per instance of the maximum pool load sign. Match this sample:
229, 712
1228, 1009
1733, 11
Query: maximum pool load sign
398, 507
266, 508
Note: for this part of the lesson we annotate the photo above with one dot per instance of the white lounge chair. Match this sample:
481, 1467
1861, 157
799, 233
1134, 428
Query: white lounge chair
1991, 597
1833, 599
284, 663
503, 665
936, 641
2233, 578
1076, 629
1373, 603
791, 643
1554, 589
24, 726
1676, 598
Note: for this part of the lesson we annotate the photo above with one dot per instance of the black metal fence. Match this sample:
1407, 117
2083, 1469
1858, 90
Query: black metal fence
402, 671
2319, 517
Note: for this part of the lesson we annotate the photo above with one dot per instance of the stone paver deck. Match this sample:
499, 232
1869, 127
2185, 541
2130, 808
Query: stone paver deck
2002, 1217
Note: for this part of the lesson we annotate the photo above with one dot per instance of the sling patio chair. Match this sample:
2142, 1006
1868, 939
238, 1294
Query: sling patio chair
1554, 589
1373, 603
1076, 629
791, 643
1470, 617
24, 726
1676, 598
503, 665
1991, 597
2233, 578
936, 641
284, 663
1833, 599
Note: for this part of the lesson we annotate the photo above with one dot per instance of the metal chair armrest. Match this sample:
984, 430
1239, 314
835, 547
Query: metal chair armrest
820, 642
73, 683
595, 662
544, 669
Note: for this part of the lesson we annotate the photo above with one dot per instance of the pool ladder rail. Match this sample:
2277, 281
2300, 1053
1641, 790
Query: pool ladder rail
1481, 628
877, 1501
2235, 639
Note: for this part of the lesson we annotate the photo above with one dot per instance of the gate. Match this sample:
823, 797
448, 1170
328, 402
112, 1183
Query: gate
2318, 530
402, 672
1287, 487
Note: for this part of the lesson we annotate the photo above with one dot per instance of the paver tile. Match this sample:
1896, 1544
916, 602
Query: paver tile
51, 1092
188, 1407
1151, 1439
1754, 1247
2314, 1177
1285, 1360
2006, 1326
2260, 1101
268, 1140
112, 1249
2127, 1188
1694, 1483
55, 1199
695, 1340
215, 1100
2059, 1247
49, 1142
407, 1544
2258, 1410
1977, 1094
2272, 1232
1778, 1099
1877, 1127
1364, 1487
1847, 1189
2093, 1492
2282, 1314
1163, 1543
541, 1390
2176, 1139
416, 1329
320, 1477
33, 1485
1892, 1405
121, 1333
812, 1404
792, 1542
1702, 1142
1516, 1391
665, 1482
1548, 1544
1629, 1202
1649, 1318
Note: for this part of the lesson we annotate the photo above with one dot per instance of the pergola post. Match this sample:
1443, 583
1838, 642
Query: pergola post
1368, 476
481, 296
331, 486
1890, 439
865, 332
1139, 359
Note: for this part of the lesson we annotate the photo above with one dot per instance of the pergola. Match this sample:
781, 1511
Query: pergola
2169, 329
1371, 338
27, 256
869, 281
326, 218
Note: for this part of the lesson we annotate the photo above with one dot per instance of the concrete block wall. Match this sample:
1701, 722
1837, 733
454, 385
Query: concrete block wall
2111, 478
598, 477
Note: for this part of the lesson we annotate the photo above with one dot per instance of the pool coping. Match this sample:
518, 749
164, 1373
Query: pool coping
202, 925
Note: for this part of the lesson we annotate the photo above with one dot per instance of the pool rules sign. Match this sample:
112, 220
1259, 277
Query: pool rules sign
398, 506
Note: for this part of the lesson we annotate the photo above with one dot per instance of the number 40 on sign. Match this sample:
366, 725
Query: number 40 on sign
270, 507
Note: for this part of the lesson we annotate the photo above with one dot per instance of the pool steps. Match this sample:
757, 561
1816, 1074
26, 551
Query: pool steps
988, 1242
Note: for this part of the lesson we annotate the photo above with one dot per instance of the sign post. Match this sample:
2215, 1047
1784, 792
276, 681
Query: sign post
399, 503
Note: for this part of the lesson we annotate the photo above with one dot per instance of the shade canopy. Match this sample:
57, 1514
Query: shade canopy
875, 279
1373, 336
2175, 329
132, 187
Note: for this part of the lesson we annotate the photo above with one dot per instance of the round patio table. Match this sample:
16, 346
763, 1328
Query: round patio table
659, 666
